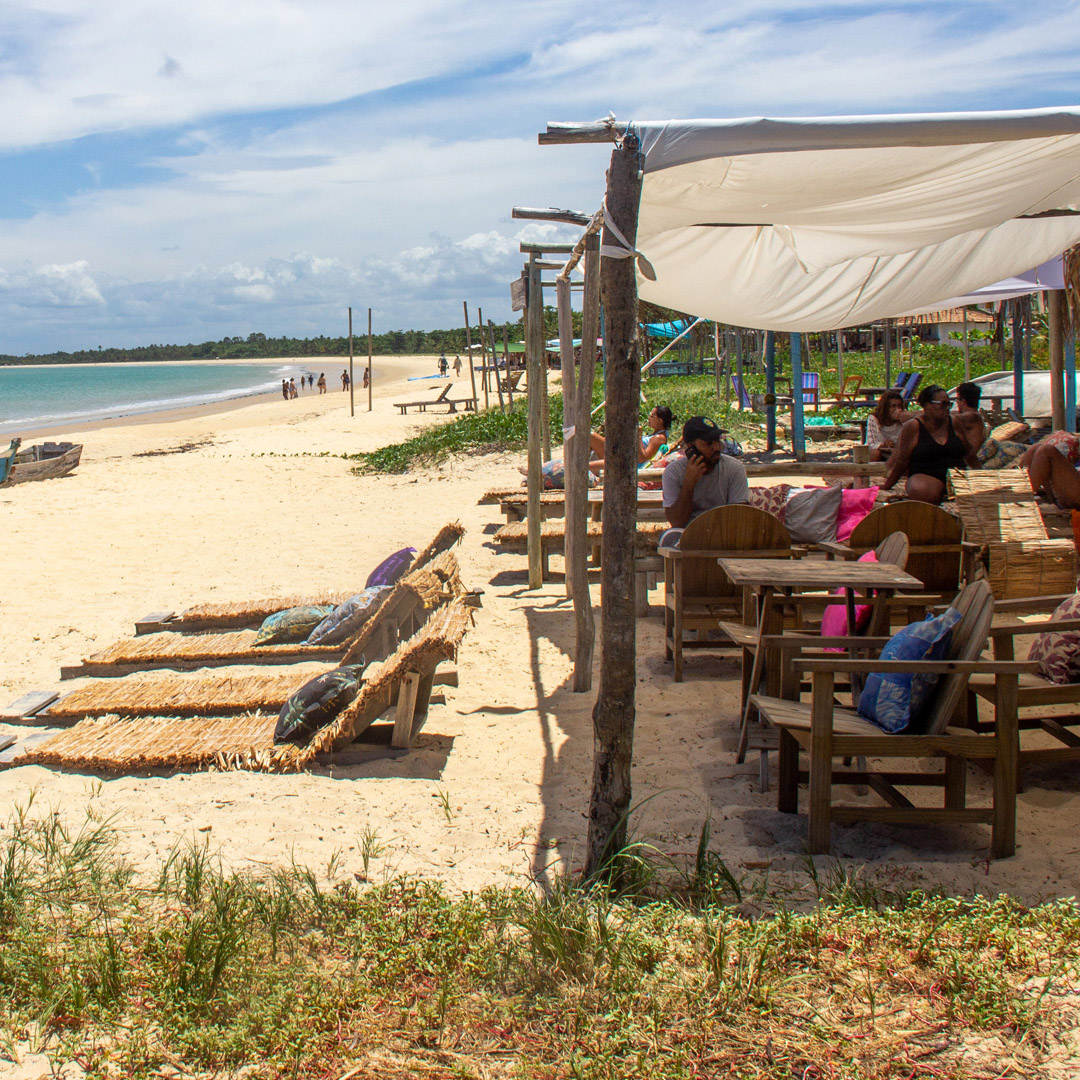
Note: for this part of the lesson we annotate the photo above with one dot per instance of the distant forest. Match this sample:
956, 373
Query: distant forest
256, 346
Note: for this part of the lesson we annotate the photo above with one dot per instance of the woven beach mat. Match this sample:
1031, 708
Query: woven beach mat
130, 743
998, 509
516, 533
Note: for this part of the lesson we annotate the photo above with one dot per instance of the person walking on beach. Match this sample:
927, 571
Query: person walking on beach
344, 380
322, 382
285, 389
292, 389
442, 365
457, 365
367, 378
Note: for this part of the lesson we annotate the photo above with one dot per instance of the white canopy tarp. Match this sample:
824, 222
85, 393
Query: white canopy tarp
816, 224
1050, 275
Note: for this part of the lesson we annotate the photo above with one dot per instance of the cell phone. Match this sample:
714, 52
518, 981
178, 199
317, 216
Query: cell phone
693, 452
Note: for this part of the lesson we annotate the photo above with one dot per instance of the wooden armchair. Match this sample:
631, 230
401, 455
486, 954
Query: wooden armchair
827, 732
1034, 691
697, 593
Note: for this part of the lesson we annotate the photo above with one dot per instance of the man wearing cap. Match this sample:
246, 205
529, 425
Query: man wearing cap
702, 479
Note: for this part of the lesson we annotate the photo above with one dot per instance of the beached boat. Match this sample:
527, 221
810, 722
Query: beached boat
43, 461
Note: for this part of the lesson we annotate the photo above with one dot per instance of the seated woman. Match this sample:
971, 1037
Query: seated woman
1051, 467
884, 424
652, 443
930, 445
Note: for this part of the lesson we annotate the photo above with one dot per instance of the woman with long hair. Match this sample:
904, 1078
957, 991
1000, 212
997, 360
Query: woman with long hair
652, 442
884, 424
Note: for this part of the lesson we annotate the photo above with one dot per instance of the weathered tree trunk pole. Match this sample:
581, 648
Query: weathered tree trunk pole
1056, 347
613, 714
468, 348
571, 434
369, 376
534, 359
585, 628
483, 353
506, 358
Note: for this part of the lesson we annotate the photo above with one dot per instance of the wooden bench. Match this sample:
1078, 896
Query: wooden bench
442, 399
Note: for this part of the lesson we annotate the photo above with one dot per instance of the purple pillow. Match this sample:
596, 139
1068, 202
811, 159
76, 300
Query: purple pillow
391, 568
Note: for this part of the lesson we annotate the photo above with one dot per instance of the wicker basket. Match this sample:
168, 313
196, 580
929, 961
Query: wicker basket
1032, 568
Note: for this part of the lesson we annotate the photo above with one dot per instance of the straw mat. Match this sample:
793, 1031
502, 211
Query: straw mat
174, 695
444, 540
998, 509
516, 533
122, 743
496, 495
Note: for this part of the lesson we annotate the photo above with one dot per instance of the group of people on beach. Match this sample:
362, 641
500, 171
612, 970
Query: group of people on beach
444, 364
289, 390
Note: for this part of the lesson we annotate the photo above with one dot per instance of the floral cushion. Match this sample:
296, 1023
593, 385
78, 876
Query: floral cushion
995, 454
1059, 654
896, 700
292, 624
770, 499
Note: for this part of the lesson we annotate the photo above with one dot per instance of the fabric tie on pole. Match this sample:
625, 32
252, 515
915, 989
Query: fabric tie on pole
625, 251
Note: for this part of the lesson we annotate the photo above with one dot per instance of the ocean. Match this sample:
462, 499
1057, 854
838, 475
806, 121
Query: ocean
73, 394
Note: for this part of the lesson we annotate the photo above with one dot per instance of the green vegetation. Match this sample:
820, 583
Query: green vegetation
286, 974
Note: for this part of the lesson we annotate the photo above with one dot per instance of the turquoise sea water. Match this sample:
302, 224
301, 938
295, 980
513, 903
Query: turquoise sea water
72, 394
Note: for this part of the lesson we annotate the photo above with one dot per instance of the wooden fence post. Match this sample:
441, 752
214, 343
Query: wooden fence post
534, 358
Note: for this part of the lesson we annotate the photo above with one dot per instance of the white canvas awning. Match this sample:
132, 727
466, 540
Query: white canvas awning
815, 224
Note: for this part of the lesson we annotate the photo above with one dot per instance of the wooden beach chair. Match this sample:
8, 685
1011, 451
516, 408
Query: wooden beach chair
407, 604
698, 595
826, 732
127, 743
1000, 515
442, 399
233, 616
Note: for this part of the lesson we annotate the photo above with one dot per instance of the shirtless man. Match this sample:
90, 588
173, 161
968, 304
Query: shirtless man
967, 419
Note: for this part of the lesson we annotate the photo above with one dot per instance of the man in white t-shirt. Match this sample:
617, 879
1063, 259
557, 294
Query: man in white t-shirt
700, 478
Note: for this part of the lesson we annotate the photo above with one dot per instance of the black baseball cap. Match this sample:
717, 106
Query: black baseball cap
700, 427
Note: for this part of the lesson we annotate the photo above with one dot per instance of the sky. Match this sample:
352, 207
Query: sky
182, 172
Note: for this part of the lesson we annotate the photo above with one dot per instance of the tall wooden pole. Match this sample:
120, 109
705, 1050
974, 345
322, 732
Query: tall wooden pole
570, 426
967, 351
495, 367
840, 357
468, 348
534, 359
506, 357
1018, 359
1056, 348
614, 712
798, 435
370, 376
352, 402
483, 353
770, 390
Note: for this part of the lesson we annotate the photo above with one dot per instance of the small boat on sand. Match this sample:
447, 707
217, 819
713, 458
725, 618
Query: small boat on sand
43, 461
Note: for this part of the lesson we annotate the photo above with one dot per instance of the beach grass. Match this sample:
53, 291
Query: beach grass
697, 972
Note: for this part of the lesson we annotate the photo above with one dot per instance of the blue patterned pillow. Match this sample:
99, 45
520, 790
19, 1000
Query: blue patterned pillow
894, 701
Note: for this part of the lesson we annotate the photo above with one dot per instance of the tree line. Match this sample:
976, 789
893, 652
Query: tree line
258, 346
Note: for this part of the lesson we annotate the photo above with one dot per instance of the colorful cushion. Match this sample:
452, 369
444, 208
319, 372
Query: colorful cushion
834, 619
391, 568
1058, 654
292, 624
810, 514
895, 701
770, 499
316, 703
855, 504
554, 476
1000, 454
348, 617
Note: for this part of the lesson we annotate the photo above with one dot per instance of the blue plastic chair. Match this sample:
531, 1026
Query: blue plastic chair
740, 392
911, 385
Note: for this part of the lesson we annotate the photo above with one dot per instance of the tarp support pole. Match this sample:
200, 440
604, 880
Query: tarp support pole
1070, 382
798, 435
1018, 360
770, 390
534, 358
888, 351
1055, 304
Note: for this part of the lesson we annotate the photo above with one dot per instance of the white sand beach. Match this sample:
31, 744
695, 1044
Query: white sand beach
257, 501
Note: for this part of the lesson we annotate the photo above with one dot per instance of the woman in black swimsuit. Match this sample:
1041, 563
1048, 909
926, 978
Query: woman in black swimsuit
929, 445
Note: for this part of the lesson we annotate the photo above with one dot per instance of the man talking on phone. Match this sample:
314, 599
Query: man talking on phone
702, 479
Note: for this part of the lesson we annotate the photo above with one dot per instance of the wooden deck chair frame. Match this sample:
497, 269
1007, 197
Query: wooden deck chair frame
849, 392
423, 406
697, 594
826, 732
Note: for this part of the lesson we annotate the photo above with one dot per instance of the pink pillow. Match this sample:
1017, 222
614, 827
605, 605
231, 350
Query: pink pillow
834, 618
855, 504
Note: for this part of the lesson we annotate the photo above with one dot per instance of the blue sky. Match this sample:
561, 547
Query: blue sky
173, 173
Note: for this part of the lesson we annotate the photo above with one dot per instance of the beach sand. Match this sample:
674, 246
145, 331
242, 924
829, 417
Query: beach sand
256, 501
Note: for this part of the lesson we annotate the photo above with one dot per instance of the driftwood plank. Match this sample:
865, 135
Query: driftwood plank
29, 704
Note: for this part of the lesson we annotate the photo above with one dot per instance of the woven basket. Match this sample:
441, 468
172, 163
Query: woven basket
1032, 568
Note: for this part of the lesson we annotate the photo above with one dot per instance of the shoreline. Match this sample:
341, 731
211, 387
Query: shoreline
187, 412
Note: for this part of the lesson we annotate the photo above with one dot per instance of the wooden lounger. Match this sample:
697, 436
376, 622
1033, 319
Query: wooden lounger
402, 683
408, 603
442, 399
234, 616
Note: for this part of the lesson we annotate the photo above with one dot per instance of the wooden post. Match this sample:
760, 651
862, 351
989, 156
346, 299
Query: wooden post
1018, 360
534, 359
483, 354
798, 435
495, 367
542, 385
1070, 380
770, 390
468, 348
369, 374
967, 352
506, 357
888, 353
585, 629
1056, 347
840, 357
571, 480
614, 712
716, 362
352, 404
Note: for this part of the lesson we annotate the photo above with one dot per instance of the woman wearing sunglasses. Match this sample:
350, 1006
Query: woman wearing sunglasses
929, 445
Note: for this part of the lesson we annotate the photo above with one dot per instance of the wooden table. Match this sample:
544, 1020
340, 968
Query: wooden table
783, 576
